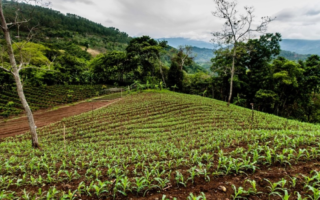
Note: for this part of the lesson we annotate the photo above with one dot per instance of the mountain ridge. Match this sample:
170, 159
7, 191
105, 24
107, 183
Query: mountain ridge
298, 46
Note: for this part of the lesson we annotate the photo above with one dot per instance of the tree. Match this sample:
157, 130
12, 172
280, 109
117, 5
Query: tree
179, 62
287, 77
14, 68
312, 74
145, 52
164, 45
175, 76
256, 57
237, 28
111, 66
184, 57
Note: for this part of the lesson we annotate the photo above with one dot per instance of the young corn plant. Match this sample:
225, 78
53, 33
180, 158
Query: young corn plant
123, 186
315, 193
164, 198
81, 188
286, 195
238, 193
89, 188
193, 197
162, 182
141, 184
100, 188
6, 196
293, 181
299, 197
253, 190
51, 194
180, 179
193, 174
25, 195
274, 187
70, 195
205, 173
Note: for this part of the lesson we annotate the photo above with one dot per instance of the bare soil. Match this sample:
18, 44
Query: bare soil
43, 118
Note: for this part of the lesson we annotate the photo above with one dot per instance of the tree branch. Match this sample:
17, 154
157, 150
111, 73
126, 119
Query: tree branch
5, 69
16, 23
38, 68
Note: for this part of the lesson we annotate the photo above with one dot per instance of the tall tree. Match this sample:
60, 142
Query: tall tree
237, 28
145, 52
312, 74
164, 45
14, 68
175, 76
111, 66
256, 57
184, 56
287, 77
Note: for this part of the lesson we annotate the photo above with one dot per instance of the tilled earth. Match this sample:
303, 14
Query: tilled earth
42, 118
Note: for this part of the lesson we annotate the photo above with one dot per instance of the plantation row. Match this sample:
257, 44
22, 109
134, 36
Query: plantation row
45, 97
157, 143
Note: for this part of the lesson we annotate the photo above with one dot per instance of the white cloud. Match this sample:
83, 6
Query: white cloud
192, 19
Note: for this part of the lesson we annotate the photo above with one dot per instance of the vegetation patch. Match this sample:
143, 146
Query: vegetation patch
153, 144
44, 97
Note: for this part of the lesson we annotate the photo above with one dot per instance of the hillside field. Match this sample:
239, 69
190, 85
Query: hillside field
165, 145
44, 97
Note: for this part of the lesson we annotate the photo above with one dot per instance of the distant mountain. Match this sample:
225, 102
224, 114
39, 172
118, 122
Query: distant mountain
301, 46
294, 56
179, 41
298, 46
202, 54
203, 57
291, 49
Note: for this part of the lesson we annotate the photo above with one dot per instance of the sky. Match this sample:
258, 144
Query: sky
193, 19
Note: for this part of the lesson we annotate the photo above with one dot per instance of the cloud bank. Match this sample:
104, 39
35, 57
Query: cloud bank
193, 19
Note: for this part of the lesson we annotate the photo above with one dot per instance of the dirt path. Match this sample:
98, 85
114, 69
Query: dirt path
19, 126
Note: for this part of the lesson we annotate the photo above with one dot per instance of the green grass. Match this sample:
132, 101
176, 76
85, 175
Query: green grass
140, 144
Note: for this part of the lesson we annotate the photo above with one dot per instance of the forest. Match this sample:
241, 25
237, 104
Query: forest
274, 84
88, 112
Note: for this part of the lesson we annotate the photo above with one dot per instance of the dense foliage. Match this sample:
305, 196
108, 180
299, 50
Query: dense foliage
157, 142
274, 84
277, 86
55, 27
294, 56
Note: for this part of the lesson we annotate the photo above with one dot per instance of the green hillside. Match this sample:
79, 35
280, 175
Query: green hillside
301, 46
54, 26
202, 55
162, 143
293, 56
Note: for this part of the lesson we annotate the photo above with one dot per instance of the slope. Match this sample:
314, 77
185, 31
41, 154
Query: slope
164, 143
301, 46
54, 26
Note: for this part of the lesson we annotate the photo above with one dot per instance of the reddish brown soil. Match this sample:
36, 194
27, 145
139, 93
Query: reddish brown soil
211, 189
42, 118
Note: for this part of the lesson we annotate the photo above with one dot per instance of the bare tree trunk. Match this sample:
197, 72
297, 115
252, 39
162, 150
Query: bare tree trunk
212, 92
163, 79
27, 109
232, 74
15, 72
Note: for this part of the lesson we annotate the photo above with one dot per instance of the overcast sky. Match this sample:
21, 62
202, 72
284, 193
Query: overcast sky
296, 19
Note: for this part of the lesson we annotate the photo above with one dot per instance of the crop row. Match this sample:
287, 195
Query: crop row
151, 143
45, 97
